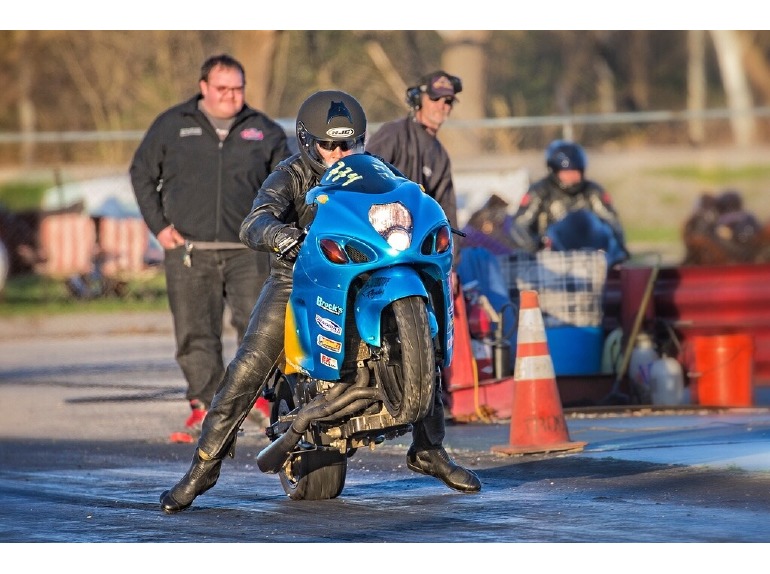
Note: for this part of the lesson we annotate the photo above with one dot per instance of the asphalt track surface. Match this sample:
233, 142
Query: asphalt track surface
87, 406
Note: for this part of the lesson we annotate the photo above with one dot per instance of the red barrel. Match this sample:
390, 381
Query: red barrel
724, 370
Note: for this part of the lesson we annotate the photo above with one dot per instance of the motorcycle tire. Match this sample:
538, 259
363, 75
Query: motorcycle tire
408, 369
312, 474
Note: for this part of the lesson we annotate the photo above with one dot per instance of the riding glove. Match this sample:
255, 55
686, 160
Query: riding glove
288, 238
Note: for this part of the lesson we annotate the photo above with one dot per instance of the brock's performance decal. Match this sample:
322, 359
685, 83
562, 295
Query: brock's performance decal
331, 307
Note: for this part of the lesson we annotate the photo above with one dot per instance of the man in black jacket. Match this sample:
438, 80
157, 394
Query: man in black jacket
411, 143
565, 211
195, 175
412, 146
330, 125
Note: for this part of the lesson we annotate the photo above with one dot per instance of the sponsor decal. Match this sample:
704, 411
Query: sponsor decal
331, 307
329, 344
186, 132
328, 325
252, 134
328, 361
373, 293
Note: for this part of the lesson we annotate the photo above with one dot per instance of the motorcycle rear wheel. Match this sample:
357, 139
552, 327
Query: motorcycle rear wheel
311, 474
407, 373
314, 475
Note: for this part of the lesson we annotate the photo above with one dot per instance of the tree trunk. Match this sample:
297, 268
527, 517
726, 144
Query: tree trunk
756, 64
465, 57
26, 106
696, 85
730, 57
255, 49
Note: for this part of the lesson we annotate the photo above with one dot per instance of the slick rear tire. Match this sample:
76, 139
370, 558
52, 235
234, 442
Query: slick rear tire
314, 475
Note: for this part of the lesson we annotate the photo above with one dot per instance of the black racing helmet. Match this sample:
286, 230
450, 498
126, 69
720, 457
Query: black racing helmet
563, 154
329, 118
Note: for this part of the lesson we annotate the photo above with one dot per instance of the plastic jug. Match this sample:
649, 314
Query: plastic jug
642, 358
612, 352
667, 382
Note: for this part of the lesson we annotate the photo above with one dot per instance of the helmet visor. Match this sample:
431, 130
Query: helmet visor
344, 145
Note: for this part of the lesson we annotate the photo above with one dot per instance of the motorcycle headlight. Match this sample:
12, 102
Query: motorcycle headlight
394, 223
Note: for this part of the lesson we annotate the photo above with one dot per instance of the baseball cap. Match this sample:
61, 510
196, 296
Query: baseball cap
439, 84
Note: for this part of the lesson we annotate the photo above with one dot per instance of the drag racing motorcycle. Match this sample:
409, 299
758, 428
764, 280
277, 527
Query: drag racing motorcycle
369, 324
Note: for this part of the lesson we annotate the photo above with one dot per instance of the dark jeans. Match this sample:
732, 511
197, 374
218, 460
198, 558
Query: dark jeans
257, 354
197, 296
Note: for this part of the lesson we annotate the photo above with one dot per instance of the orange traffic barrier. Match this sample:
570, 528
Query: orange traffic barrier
537, 419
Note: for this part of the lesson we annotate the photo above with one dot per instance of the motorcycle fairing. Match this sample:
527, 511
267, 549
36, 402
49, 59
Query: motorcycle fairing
382, 288
319, 299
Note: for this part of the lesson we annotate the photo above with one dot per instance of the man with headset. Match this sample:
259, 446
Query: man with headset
411, 144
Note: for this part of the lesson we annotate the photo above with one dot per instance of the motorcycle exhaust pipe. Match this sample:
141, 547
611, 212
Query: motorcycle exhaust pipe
271, 459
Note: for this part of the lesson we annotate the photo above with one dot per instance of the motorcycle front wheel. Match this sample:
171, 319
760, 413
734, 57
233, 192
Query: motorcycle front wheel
309, 474
408, 369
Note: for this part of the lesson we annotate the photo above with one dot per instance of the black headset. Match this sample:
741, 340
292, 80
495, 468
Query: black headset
413, 93
413, 97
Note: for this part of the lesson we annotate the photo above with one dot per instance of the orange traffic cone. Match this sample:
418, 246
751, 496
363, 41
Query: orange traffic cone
537, 419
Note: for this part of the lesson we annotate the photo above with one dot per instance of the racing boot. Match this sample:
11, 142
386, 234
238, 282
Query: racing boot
201, 476
436, 462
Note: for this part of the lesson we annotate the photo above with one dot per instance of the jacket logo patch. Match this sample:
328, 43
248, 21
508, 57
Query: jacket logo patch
252, 134
185, 132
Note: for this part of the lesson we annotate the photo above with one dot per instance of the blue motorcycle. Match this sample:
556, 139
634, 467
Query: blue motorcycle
369, 324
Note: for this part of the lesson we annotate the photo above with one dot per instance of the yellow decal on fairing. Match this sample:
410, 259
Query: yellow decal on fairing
292, 346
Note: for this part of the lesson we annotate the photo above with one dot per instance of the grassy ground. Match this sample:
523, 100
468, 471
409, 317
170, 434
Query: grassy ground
32, 294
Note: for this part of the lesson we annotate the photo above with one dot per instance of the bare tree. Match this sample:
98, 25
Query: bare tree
729, 51
756, 63
464, 56
696, 84
256, 49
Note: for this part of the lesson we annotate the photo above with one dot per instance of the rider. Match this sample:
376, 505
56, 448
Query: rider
330, 125
565, 211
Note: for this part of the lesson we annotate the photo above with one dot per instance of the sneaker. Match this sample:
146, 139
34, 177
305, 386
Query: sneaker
263, 405
192, 426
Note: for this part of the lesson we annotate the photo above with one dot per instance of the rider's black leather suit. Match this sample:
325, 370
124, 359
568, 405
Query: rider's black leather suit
280, 202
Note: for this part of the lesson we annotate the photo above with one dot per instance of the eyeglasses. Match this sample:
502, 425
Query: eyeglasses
448, 100
225, 90
344, 145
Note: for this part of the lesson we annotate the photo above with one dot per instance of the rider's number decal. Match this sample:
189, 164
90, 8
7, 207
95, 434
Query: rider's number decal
341, 171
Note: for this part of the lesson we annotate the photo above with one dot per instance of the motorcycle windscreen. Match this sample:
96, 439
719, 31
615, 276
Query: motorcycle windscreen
361, 173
